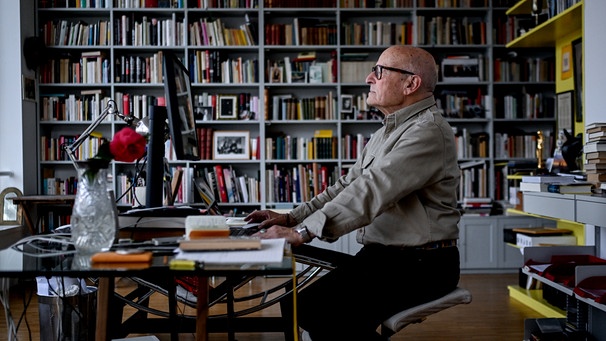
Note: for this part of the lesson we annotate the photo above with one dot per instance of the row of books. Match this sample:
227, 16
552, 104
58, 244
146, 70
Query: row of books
376, 3
89, 69
471, 144
139, 69
227, 186
75, 3
462, 105
69, 107
474, 180
51, 147
305, 68
210, 67
58, 186
302, 31
301, 148
440, 30
76, 33
531, 69
289, 107
299, 183
131, 31
377, 33
135, 104
525, 106
508, 145
209, 32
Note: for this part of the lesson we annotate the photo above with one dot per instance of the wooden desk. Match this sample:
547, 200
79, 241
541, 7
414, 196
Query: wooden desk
30, 204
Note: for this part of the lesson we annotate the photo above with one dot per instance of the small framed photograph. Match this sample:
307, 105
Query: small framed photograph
275, 74
315, 74
28, 88
565, 111
299, 77
346, 103
228, 107
207, 113
231, 145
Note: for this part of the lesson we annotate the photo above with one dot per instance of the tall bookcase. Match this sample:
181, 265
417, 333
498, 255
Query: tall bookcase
291, 78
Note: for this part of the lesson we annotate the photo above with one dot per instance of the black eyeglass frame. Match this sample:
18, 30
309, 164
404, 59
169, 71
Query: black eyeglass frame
378, 71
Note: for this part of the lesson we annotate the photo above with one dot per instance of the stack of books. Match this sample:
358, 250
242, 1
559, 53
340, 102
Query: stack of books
564, 184
477, 206
595, 153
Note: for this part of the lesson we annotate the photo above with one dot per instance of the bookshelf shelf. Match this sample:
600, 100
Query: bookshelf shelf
546, 34
534, 299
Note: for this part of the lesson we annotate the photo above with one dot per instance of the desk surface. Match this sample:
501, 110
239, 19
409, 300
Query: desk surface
18, 264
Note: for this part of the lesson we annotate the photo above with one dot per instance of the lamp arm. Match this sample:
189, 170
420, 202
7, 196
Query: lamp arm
70, 150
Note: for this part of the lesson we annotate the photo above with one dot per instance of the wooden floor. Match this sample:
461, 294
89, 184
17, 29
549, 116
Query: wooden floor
491, 316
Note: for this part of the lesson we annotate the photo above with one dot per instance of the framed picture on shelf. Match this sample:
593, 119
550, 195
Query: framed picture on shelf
275, 74
231, 145
28, 89
566, 62
228, 107
564, 110
346, 103
315, 74
577, 63
207, 113
299, 77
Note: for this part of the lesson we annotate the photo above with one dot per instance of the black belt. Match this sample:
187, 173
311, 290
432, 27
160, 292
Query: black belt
437, 244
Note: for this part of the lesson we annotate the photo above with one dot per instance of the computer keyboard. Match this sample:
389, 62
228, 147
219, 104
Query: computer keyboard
165, 211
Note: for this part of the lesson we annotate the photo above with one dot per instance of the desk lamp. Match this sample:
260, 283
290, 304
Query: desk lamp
141, 127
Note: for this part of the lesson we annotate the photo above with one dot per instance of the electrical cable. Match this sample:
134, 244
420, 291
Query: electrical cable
34, 243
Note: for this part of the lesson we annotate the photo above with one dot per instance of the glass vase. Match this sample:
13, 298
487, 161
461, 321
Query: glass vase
93, 221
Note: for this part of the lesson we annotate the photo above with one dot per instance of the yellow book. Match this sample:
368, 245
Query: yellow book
323, 133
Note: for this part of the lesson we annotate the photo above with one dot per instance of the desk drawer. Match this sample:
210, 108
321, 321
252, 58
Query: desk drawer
591, 210
559, 206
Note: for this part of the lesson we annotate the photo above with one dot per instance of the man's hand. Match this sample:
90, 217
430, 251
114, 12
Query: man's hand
269, 218
277, 231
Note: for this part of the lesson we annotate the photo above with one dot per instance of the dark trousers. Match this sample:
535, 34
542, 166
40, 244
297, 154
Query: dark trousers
351, 301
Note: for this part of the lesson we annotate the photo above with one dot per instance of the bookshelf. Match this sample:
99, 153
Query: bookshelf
291, 90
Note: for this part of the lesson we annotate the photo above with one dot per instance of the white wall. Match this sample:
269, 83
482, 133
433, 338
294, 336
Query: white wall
17, 117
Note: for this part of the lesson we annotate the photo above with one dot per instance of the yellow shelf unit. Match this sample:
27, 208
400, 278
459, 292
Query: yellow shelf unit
534, 300
578, 229
546, 34
522, 7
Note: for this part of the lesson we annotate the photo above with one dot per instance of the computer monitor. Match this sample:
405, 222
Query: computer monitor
179, 115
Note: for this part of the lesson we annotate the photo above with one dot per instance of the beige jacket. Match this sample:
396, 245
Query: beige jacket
402, 189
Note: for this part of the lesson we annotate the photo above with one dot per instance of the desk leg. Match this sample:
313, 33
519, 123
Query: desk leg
202, 309
105, 289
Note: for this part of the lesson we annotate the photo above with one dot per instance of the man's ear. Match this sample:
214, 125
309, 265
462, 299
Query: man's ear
412, 84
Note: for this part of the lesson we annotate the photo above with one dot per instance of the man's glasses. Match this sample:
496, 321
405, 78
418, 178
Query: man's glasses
378, 70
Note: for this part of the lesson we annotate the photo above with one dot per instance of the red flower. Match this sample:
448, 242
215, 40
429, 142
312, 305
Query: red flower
127, 145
